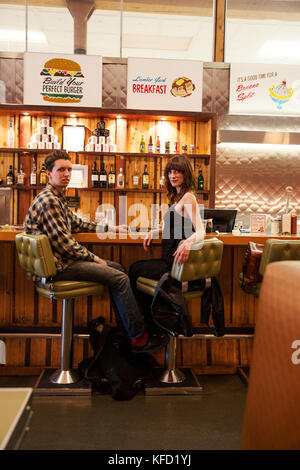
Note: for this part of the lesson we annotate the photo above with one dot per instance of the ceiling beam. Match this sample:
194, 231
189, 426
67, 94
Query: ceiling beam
81, 11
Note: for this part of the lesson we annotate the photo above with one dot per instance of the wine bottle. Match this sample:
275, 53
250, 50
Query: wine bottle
111, 178
135, 177
95, 176
33, 174
10, 177
145, 179
200, 180
43, 175
102, 177
142, 144
150, 145
120, 181
11, 136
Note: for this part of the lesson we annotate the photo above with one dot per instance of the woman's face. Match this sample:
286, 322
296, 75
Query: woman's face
176, 179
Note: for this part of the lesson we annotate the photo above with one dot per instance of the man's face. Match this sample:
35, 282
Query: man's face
61, 173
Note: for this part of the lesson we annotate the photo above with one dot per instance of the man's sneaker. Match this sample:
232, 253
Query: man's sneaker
153, 343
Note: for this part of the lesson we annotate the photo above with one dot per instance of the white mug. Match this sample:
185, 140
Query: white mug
49, 145
35, 138
101, 139
112, 148
45, 138
50, 130
105, 148
97, 148
55, 138
44, 122
92, 139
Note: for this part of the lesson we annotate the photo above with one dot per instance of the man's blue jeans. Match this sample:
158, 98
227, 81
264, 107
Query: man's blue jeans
113, 277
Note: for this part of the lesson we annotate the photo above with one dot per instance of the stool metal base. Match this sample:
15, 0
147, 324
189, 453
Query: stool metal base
174, 376
64, 377
190, 386
46, 387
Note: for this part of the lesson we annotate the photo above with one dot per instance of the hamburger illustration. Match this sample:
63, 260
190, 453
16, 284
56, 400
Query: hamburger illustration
182, 87
62, 91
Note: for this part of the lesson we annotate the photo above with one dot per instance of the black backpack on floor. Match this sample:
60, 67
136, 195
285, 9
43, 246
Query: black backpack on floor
114, 368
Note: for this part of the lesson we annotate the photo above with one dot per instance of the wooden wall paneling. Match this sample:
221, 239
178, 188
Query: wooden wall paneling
194, 308
4, 126
167, 131
38, 352
79, 351
220, 20
203, 133
6, 283
55, 352
246, 347
135, 130
25, 131
15, 351
243, 305
224, 352
187, 134
45, 314
6, 159
57, 122
24, 298
89, 203
194, 352
121, 135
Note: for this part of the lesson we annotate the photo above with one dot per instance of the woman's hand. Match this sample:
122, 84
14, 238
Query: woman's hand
182, 253
147, 240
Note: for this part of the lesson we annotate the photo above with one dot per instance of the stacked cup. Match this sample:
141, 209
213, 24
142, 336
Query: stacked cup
44, 137
100, 144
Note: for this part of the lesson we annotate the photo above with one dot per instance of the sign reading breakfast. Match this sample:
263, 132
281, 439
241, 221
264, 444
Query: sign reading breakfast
62, 79
264, 89
174, 85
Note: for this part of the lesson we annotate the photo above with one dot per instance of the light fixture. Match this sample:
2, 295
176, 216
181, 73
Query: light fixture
73, 115
119, 116
25, 113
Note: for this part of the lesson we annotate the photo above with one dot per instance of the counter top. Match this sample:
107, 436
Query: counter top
131, 238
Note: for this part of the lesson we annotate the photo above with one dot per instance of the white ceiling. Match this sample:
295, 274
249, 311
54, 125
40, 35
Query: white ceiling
149, 35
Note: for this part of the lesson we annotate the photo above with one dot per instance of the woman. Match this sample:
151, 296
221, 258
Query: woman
182, 221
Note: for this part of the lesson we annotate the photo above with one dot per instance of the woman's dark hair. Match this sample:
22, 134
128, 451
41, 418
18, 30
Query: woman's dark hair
56, 155
180, 163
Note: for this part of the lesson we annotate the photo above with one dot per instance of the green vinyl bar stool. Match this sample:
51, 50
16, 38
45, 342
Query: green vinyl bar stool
36, 258
203, 263
274, 250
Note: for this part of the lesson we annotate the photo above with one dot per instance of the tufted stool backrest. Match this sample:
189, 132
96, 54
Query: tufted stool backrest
279, 250
202, 263
35, 255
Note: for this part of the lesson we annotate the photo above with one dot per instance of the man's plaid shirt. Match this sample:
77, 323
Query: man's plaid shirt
49, 214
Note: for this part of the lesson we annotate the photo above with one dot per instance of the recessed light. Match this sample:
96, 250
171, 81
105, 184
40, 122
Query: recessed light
26, 114
73, 115
119, 117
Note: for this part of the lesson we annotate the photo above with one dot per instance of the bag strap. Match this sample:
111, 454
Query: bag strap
102, 339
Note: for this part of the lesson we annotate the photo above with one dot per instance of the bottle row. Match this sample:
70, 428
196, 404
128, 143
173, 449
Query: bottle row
99, 179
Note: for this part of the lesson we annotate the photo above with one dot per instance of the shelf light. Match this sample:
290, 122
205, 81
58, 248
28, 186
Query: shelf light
25, 113
119, 116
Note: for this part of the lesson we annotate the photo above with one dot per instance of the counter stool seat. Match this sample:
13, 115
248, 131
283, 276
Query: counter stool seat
204, 262
36, 258
274, 250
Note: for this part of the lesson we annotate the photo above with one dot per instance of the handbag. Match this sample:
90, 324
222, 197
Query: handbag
253, 256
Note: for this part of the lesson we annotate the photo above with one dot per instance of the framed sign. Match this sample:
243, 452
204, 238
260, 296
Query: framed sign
264, 89
73, 138
79, 178
174, 85
62, 79
258, 223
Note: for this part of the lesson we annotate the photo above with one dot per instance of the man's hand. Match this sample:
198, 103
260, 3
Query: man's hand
100, 261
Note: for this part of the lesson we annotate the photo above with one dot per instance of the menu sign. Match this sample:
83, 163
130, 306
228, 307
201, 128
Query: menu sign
174, 85
62, 79
264, 89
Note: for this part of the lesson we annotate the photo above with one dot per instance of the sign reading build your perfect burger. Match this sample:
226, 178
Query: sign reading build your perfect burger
174, 85
62, 79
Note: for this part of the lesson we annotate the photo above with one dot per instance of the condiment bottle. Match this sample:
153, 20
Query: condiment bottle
293, 222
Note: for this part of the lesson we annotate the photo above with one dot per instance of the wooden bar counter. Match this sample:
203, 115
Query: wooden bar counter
30, 324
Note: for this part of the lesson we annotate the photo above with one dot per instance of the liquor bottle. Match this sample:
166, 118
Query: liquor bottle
200, 180
157, 146
145, 178
43, 176
11, 136
102, 177
142, 144
135, 177
111, 178
162, 182
33, 174
20, 176
150, 145
95, 176
10, 177
120, 180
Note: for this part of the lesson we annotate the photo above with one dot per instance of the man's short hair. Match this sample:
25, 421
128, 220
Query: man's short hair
56, 155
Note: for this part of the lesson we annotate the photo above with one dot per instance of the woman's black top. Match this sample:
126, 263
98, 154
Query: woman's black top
176, 228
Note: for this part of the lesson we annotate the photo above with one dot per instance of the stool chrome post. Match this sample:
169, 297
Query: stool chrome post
171, 374
65, 375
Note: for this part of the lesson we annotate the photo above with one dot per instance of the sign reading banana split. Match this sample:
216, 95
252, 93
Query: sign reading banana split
264, 89
174, 85
62, 79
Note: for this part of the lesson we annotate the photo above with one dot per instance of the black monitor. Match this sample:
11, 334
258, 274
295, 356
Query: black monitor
223, 219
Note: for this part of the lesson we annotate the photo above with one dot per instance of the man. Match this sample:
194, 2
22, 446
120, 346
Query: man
50, 214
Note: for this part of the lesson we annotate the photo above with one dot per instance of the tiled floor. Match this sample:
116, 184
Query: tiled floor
210, 421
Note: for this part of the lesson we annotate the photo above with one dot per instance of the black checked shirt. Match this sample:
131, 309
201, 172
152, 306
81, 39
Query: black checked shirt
49, 214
